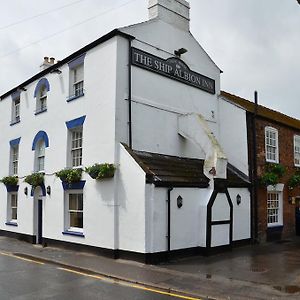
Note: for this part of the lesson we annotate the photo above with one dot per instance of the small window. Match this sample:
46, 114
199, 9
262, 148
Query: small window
75, 211
76, 147
14, 160
15, 118
12, 207
76, 81
40, 156
297, 150
271, 145
41, 101
274, 209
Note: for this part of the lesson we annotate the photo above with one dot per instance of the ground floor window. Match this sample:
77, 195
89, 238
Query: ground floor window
12, 207
274, 209
75, 211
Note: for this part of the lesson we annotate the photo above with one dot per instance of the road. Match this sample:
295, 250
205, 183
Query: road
22, 278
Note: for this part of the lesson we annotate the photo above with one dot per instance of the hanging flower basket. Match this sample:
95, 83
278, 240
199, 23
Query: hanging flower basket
69, 175
101, 171
10, 180
35, 179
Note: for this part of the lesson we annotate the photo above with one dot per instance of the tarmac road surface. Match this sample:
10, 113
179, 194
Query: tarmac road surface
22, 278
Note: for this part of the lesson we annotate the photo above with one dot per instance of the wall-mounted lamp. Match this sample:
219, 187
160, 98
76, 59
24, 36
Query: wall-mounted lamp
48, 190
180, 51
238, 199
56, 71
26, 190
179, 201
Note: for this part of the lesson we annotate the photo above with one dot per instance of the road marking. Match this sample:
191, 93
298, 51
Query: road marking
127, 284
21, 258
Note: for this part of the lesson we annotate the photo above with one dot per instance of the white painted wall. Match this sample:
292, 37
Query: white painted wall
220, 235
241, 214
188, 224
233, 134
220, 208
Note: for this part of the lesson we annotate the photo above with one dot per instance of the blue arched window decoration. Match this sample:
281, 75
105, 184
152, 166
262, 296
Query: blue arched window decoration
40, 135
43, 82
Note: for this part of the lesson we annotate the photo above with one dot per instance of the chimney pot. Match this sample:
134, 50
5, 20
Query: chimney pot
52, 59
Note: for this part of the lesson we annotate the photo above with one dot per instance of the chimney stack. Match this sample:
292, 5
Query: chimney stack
174, 12
47, 63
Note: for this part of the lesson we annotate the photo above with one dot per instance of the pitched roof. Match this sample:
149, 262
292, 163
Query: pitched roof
166, 170
262, 111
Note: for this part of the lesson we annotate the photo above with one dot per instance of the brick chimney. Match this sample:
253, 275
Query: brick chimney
174, 12
48, 62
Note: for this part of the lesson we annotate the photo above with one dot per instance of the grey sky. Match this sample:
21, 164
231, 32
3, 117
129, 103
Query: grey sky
255, 42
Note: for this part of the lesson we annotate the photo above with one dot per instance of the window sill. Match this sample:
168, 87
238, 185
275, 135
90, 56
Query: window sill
73, 97
14, 122
74, 233
40, 111
11, 224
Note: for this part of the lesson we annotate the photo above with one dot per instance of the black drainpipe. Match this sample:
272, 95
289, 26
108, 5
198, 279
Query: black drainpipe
169, 221
255, 183
129, 95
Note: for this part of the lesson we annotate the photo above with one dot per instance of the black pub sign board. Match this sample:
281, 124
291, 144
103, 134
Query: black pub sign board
173, 68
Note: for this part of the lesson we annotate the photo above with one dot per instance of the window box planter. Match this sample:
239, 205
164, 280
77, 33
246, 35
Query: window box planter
69, 175
101, 171
11, 183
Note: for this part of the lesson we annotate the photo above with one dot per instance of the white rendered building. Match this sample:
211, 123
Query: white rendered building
144, 98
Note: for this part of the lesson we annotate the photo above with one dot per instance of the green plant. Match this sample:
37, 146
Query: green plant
35, 179
272, 174
69, 175
100, 171
294, 181
10, 180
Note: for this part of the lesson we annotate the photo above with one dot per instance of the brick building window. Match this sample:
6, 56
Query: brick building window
271, 145
297, 150
274, 209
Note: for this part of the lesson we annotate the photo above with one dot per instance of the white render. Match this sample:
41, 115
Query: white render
125, 212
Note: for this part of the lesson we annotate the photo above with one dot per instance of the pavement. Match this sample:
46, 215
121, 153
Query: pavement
267, 271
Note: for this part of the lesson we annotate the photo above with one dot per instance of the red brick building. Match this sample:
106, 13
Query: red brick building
274, 164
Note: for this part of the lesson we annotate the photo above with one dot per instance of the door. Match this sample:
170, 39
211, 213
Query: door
39, 236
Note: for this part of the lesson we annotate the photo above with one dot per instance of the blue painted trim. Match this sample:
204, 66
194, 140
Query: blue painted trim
75, 123
14, 122
43, 188
15, 142
75, 233
40, 111
71, 98
12, 188
74, 185
43, 82
15, 95
77, 61
11, 224
40, 135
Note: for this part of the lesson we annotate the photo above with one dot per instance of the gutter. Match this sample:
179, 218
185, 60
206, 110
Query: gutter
169, 223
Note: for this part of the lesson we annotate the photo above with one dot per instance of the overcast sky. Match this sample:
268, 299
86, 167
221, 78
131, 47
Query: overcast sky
255, 42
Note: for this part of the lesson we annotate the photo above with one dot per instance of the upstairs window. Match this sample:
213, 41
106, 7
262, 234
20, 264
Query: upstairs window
14, 156
297, 150
271, 145
15, 109
75, 142
40, 93
76, 87
40, 156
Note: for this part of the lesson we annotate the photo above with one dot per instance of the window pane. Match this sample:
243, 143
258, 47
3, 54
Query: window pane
76, 219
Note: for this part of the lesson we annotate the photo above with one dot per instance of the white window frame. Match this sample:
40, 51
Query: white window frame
74, 149
274, 208
297, 150
77, 84
41, 101
68, 226
10, 207
14, 159
40, 154
268, 131
15, 115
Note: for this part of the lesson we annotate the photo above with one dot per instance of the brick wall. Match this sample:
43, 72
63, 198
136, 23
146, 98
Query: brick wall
286, 158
